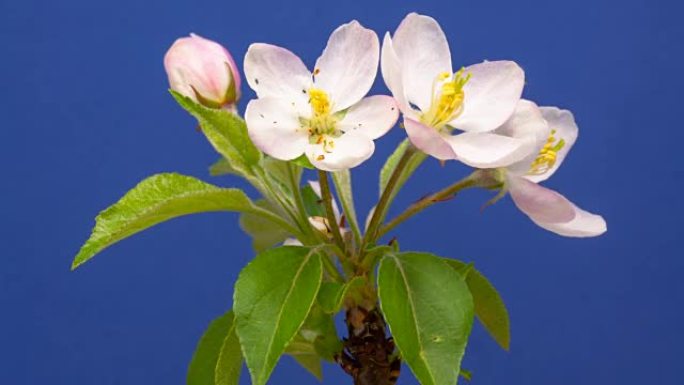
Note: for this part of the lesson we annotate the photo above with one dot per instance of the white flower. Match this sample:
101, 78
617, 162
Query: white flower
324, 115
548, 133
416, 66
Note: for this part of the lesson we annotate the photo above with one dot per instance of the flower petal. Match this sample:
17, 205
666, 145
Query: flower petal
428, 140
487, 150
585, 224
566, 129
527, 123
539, 203
391, 73
490, 96
347, 68
273, 71
423, 51
373, 116
274, 127
349, 150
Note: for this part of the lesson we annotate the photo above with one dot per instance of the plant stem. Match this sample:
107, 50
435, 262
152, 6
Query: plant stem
385, 199
326, 195
299, 201
429, 200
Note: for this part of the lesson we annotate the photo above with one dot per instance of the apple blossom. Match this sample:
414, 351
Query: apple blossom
323, 115
204, 71
553, 132
435, 101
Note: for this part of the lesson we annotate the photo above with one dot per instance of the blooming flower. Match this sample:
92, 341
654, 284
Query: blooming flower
552, 132
203, 70
435, 101
323, 115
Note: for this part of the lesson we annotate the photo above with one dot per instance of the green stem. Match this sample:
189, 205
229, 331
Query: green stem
326, 195
385, 199
428, 201
348, 208
329, 266
299, 201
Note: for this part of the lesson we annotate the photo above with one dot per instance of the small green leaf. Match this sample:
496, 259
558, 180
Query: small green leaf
273, 296
310, 362
343, 185
229, 363
332, 295
489, 307
392, 162
226, 132
303, 161
466, 374
313, 204
222, 167
319, 330
154, 200
264, 233
429, 311
217, 337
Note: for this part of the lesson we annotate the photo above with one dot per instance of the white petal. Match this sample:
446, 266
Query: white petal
539, 203
273, 71
391, 73
428, 140
487, 150
349, 150
292, 242
564, 124
274, 127
528, 124
423, 50
347, 68
372, 116
490, 96
585, 224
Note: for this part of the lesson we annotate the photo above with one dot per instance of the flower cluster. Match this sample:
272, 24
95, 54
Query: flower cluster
475, 114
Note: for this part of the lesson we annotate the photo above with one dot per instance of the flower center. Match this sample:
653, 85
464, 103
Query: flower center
447, 98
322, 125
547, 155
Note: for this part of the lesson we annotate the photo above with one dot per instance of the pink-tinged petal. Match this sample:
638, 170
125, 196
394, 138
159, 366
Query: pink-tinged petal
274, 127
372, 116
423, 51
428, 140
202, 70
528, 124
490, 96
540, 203
566, 129
347, 68
487, 150
273, 71
347, 151
585, 224
391, 73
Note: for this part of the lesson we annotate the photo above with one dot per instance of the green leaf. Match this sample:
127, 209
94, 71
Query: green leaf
216, 339
392, 162
466, 374
489, 307
226, 132
273, 296
229, 363
313, 204
429, 311
342, 180
311, 362
303, 161
154, 200
319, 330
264, 232
222, 167
332, 294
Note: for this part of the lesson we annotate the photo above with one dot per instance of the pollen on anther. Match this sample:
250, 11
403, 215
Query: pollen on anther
320, 157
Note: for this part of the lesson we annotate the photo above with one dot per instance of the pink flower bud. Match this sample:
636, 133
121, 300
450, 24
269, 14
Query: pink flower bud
203, 70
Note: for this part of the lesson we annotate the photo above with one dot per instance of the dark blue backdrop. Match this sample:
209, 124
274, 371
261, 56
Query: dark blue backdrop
85, 115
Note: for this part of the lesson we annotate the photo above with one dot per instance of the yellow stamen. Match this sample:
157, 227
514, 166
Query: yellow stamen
547, 156
320, 103
447, 102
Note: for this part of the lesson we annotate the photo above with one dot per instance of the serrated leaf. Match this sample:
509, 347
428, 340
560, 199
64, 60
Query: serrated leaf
264, 233
154, 200
392, 162
429, 311
489, 307
218, 335
343, 185
273, 296
332, 295
226, 132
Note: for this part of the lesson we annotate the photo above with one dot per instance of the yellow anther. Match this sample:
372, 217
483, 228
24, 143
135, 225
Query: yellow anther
320, 103
547, 156
448, 95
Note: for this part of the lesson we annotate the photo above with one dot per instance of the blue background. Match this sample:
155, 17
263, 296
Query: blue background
86, 115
